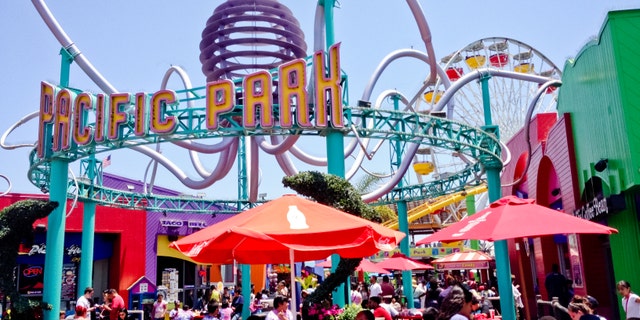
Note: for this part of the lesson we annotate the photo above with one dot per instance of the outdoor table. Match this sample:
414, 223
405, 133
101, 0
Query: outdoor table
258, 316
408, 314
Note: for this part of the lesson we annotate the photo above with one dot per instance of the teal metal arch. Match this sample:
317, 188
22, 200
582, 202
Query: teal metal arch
392, 125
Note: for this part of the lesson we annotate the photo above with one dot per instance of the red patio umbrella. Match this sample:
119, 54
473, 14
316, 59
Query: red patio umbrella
286, 230
403, 263
511, 217
270, 233
365, 266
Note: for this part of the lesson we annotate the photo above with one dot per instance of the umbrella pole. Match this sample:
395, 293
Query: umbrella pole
293, 305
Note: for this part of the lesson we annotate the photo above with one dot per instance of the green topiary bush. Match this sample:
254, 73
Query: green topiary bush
16, 225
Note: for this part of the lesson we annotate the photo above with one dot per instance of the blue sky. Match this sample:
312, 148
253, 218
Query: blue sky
132, 43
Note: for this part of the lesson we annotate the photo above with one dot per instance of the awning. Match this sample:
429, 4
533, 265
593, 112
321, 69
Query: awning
464, 260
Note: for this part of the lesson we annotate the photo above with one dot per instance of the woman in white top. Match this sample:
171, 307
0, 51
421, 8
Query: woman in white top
159, 308
630, 300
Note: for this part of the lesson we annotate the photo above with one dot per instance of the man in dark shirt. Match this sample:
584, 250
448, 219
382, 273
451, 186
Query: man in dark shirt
238, 302
556, 285
387, 287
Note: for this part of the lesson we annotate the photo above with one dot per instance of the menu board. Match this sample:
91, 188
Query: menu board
69, 282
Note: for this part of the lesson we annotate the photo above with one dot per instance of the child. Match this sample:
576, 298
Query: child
226, 311
630, 300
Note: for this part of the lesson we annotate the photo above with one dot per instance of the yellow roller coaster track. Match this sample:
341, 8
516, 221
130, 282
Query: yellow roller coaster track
437, 204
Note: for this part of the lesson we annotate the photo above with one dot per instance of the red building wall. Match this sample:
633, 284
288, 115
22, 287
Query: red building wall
552, 150
128, 260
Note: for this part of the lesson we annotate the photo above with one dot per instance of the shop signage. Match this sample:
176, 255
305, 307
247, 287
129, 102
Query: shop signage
32, 271
176, 223
593, 209
422, 252
463, 265
30, 279
38, 249
72, 250
197, 224
171, 223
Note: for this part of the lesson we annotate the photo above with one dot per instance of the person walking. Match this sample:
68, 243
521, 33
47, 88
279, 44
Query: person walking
556, 285
386, 287
104, 312
517, 296
630, 300
374, 289
159, 307
419, 294
116, 304
86, 300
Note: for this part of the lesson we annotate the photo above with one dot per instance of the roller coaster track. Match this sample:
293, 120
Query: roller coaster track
438, 203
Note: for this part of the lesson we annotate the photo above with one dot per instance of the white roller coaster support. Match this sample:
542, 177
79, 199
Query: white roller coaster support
425, 33
285, 163
254, 169
186, 82
277, 146
365, 142
180, 175
8, 183
366, 95
66, 43
20, 122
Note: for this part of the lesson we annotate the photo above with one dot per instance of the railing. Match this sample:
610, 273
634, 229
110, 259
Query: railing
551, 308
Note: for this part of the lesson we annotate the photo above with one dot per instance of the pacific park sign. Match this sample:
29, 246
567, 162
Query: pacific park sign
68, 111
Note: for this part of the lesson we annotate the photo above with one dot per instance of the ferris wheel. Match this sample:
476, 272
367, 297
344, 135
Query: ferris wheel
510, 98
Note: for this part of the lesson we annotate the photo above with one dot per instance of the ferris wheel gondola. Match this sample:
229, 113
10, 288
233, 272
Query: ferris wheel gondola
509, 97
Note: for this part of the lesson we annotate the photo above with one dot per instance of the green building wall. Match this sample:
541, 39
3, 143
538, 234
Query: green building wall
601, 91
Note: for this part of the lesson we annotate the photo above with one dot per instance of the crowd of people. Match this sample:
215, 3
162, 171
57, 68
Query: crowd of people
111, 308
449, 299
461, 299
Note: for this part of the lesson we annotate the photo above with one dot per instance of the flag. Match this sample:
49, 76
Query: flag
106, 162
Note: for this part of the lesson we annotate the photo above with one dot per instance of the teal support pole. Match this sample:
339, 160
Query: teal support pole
328, 22
246, 289
52, 290
85, 278
55, 239
403, 226
403, 220
243, 193
335, 159
493, 167
335, 146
